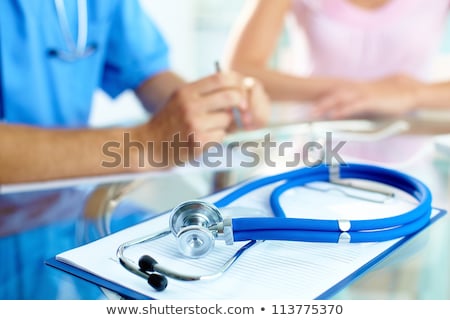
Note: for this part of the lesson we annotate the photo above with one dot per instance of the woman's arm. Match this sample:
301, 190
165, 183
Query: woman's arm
252, 44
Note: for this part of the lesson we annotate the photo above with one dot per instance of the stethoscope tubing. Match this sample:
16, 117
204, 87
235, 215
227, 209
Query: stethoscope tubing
78, 49
315, 230
278, 233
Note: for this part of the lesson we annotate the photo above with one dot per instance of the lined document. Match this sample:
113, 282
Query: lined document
268, 270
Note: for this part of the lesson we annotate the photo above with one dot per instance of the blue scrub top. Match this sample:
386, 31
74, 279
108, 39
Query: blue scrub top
44, 90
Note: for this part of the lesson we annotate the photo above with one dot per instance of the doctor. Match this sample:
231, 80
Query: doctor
56, 53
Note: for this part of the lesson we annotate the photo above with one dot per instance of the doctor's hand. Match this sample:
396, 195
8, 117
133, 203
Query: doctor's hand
257, 111
391, 96
198, 114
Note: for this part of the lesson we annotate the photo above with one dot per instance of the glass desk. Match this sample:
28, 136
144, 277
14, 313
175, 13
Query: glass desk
37, 225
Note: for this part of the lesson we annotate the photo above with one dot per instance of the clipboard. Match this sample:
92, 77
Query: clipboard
305, 270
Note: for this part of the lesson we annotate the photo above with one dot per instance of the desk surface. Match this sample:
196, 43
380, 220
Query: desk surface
35, 226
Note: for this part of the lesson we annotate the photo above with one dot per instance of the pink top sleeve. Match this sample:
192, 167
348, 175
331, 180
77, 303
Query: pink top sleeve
347, 41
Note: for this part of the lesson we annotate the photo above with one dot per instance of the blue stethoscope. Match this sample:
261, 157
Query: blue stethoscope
197, 224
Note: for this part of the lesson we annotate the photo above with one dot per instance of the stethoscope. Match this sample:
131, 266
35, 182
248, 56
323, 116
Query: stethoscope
197, 224
75, 51
79, 49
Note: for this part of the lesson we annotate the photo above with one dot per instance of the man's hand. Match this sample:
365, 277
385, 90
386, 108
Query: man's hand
257, 113
200, 113
191, 116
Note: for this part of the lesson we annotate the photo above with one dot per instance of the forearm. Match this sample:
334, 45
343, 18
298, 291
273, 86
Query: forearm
285, 87
155, 91
252, 44
35, 154
433, 96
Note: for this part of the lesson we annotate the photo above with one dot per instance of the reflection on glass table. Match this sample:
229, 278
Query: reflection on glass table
35, 226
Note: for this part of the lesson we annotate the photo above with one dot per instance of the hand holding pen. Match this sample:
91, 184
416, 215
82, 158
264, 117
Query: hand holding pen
235, 110
201, 112
256, 107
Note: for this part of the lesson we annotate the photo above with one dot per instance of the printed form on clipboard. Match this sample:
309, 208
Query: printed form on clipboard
268, 270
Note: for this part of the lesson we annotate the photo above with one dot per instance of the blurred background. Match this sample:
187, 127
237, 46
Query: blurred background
197, 32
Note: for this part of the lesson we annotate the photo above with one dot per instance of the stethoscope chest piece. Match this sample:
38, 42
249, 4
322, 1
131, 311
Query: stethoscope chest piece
191, 223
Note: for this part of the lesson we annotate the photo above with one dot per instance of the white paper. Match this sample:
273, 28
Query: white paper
269, 270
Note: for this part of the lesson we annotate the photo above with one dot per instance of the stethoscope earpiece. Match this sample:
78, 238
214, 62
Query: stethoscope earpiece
147, 263
155, 280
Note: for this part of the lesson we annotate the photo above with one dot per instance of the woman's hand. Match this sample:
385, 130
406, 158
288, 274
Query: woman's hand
390, 96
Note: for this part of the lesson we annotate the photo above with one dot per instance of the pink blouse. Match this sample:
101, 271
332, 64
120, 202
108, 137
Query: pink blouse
402, 36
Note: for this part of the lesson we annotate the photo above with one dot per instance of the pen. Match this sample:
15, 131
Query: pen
235, 110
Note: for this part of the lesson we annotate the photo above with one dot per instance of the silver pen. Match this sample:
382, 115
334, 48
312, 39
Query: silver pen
235, 110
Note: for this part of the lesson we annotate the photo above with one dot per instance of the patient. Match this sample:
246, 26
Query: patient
367, 56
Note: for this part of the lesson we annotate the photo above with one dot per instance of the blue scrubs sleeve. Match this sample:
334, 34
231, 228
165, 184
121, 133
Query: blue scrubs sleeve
136, 49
